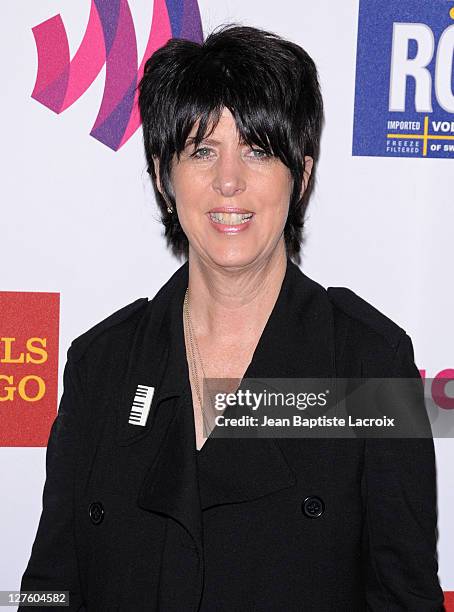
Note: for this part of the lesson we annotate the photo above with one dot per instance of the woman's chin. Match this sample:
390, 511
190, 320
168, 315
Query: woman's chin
231, 257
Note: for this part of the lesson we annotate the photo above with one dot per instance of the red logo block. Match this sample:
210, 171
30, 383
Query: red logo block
449, 601
29, 326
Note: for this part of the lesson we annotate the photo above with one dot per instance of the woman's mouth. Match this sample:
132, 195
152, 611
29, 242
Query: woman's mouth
230, 222
227, 218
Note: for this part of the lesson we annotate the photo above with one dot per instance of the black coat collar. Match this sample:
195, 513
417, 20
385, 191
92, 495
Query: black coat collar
298, 341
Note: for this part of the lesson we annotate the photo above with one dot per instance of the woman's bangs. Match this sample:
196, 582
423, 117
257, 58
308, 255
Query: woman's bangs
257, 127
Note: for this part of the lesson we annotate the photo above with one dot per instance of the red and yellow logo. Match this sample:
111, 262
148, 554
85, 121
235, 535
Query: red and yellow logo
29, 326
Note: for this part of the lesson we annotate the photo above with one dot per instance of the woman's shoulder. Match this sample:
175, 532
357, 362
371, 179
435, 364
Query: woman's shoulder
112, 328
352, 309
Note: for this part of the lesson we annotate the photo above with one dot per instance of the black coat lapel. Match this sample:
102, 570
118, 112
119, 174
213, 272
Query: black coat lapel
157, 359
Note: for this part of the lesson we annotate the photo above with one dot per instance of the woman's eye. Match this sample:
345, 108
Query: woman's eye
259, 154
202, 153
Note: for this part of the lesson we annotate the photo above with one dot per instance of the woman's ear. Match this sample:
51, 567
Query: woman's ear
308, 165
158, 176
159, 185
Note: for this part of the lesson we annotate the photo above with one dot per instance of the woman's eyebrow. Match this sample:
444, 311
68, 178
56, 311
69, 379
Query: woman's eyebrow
208, 141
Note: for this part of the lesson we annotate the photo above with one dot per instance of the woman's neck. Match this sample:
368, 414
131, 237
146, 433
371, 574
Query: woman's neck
229, 303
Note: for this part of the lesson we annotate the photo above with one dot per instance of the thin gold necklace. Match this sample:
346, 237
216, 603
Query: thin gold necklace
193, 362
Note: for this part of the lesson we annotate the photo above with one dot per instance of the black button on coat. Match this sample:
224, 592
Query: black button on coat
135, 518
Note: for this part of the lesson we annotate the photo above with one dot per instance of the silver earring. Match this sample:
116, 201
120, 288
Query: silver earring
169, 207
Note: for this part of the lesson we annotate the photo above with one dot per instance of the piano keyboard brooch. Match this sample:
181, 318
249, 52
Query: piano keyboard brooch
141, 405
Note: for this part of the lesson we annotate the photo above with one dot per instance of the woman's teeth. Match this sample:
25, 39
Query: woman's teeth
230, 218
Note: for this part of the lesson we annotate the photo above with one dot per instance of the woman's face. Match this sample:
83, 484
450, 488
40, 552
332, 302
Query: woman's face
232, 200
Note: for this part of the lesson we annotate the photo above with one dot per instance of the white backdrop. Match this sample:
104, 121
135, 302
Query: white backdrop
79, 219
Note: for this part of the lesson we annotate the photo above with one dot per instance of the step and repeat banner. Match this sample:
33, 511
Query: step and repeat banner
80, 234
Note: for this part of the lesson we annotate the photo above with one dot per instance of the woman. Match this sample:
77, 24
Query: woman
141, 511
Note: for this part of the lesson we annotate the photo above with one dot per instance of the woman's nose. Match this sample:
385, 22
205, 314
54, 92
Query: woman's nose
229, 175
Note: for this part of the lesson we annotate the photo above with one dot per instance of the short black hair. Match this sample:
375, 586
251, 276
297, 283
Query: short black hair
269, 84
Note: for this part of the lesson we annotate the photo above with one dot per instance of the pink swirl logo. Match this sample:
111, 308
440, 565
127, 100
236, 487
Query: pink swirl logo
109, 39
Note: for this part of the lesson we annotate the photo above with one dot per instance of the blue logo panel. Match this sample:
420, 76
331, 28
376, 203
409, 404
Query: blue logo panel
404, 98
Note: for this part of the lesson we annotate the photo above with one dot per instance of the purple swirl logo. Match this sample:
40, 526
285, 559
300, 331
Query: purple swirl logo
109, 39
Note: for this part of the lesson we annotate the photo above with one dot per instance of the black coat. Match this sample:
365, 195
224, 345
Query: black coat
135, 518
